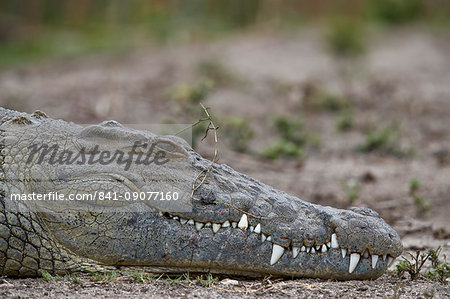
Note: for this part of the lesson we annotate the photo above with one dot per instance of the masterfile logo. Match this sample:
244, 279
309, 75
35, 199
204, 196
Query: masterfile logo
146, 155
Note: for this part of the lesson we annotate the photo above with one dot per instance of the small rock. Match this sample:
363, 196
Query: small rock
229, 282
441, 233
368, 177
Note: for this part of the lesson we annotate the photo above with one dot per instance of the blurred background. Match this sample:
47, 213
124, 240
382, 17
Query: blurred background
338, 102
37, 29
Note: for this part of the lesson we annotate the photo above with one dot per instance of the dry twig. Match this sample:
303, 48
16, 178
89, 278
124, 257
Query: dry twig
201, 177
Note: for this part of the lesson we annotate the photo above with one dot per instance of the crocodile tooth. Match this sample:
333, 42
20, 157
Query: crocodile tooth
191, 221
354, 260
366, 254
263, 237
295, 251
198, 225
308, 249
176, 218
234, 224
313, 250
343, 252
243, 223
390, 260
324, 248
258, 228
269, 239
374, 260
251, 228
318, 247
226, 224
329, 244
384, 257
160, 213
303, 249
334, 242
208, 224
216, 227
277, 252
183, 221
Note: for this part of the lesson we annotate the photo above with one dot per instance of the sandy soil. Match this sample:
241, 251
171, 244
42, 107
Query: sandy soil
385, 287
403, 80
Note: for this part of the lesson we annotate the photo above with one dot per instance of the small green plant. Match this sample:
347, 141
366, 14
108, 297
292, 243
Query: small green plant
217, 72
352, 190
440, 271
292, 141
283, 148
73, 278
413, 266
238, 132
208, 281
185, 278
414, 185
383, 141
291, 129
434, 256
345, 121
46, 276
175, 280
378, 139
423, 205
395, 11
331, 102
191, 95
141, 276
316, 97
345, 37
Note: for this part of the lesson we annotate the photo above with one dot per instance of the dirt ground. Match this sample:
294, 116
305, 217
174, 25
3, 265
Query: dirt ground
403, 82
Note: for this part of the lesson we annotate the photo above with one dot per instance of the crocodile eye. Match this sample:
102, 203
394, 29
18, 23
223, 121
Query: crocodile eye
168, 146
365, 211
172, 145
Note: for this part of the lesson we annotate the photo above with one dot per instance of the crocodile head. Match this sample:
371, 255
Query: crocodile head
230, 224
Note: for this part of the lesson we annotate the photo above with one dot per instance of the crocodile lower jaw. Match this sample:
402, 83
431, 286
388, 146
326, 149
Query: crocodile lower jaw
320, 250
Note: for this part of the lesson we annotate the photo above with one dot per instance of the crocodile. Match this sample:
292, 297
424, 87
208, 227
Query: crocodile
229, 223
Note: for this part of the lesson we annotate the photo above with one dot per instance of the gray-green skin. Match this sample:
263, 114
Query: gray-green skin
61, 238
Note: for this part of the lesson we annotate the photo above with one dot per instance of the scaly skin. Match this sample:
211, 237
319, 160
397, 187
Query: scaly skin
61, 236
